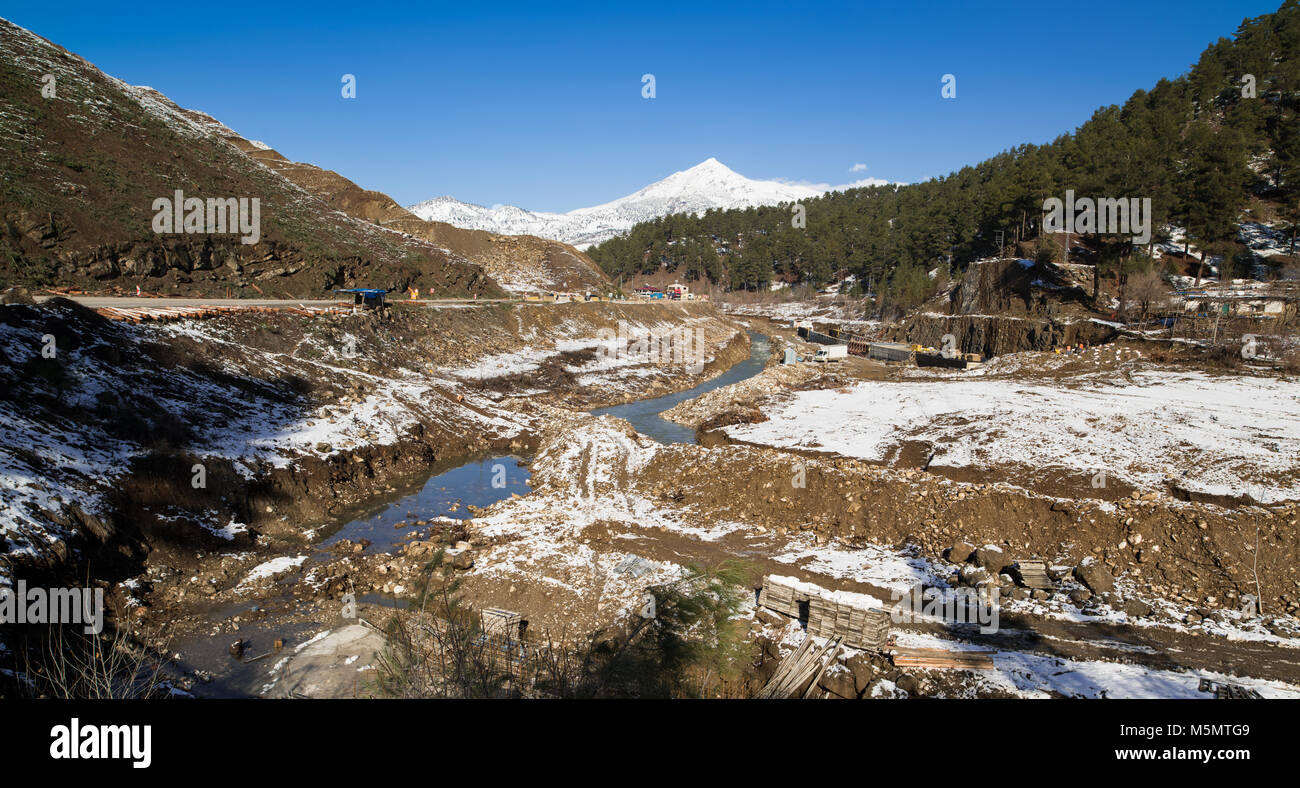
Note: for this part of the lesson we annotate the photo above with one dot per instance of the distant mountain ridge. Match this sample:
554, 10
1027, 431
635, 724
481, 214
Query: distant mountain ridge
709, 184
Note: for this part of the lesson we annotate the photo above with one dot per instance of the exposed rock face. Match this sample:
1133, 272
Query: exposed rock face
1009, 306
995, 336
995, 287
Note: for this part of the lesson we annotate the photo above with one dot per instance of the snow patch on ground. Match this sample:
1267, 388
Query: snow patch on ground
1222, 435
272, 568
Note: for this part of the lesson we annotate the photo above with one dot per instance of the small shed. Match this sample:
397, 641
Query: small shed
367, 298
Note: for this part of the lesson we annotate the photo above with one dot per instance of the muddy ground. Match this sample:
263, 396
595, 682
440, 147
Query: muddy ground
176, 459
1148, 589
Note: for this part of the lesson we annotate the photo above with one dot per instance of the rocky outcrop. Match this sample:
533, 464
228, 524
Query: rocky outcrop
1008, 306
994, 335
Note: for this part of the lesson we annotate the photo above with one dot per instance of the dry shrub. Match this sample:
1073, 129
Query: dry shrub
66, 662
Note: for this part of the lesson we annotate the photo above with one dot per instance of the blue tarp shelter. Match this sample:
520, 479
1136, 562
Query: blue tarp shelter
370, 298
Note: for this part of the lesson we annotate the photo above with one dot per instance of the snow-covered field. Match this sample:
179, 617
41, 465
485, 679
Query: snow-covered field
1221, 435
1031, 675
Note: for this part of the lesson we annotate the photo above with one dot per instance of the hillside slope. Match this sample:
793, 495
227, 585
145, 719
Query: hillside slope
518, 263
86, 156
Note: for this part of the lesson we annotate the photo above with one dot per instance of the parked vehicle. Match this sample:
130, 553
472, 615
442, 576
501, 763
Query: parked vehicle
829, 353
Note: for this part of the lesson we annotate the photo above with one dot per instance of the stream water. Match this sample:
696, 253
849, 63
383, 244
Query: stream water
453, 487
644, 414
484, 480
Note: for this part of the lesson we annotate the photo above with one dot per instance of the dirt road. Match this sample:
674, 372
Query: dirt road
134, 302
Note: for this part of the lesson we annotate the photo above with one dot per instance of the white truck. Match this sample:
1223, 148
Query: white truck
828, 353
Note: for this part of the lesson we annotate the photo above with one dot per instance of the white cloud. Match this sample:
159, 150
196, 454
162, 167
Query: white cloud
858, 168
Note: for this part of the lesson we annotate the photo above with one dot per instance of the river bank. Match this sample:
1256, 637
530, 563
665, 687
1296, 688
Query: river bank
194, 466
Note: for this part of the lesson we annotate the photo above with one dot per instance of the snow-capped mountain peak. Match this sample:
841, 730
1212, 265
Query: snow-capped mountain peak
709, 184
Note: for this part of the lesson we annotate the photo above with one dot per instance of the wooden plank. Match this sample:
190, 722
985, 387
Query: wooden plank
942, 659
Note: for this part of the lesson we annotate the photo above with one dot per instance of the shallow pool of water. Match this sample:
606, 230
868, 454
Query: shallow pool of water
447, 493
644, 414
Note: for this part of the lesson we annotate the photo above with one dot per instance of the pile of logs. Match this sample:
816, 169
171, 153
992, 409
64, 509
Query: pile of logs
941, 658
165, 313
799, 673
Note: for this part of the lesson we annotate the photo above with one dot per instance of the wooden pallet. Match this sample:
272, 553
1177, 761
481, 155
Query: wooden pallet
859, 627
780, 597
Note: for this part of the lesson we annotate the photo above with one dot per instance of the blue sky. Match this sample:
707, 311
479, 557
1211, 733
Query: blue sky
540, 105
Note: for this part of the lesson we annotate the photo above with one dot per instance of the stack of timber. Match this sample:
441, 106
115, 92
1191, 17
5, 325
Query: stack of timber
849, 617
800, 672
783, 595
858, 626
1033, 574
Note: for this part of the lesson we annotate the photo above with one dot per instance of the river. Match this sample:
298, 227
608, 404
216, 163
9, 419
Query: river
644, 414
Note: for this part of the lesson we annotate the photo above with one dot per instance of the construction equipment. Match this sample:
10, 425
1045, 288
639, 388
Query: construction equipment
829, 353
